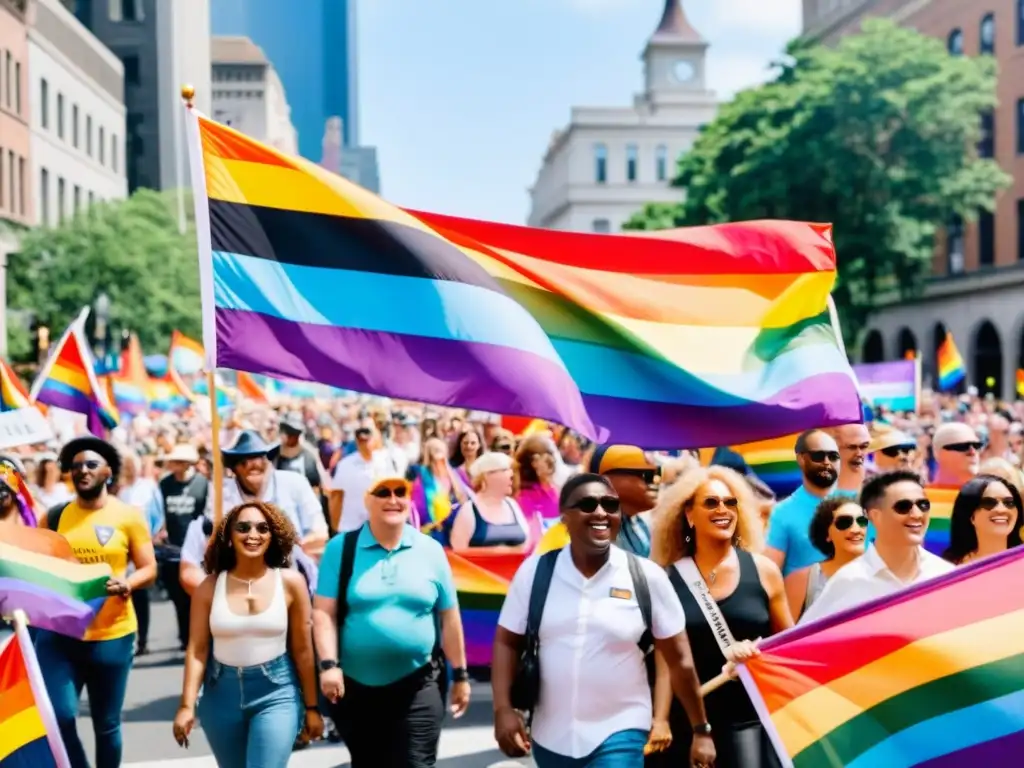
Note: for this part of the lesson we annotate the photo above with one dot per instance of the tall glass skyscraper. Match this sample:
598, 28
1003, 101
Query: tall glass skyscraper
312, 46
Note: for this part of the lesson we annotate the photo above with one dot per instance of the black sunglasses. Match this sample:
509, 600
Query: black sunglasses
588, 504
963, 447
244, 526
897, 450
713, 502
647, 475
819, 456
385, 492
845, 522
90, 464
363, 432
988, 503
903, 506
503, 448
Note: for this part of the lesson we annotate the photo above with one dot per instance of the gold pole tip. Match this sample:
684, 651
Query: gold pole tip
188, 92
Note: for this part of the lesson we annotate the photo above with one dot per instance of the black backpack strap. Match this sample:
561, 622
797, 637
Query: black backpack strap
643, 600
54, 514
348, 561
539, 591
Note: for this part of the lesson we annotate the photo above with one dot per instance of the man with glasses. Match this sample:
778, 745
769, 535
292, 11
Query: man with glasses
957, 454
899, 512
788, 543
893, 450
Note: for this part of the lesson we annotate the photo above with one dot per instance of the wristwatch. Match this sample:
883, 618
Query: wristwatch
460, 675
702, 729
328, 664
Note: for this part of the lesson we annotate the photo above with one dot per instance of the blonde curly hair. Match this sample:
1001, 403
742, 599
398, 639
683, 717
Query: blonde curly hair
668, 539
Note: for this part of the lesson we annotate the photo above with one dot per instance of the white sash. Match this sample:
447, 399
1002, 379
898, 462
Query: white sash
695, 583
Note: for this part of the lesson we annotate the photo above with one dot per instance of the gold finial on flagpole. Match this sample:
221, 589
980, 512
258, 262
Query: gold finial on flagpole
188, 92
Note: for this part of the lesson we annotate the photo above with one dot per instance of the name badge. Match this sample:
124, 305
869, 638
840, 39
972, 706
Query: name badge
621, 594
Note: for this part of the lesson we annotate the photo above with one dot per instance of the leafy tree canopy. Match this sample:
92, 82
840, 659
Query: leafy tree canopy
878, 135
132, 250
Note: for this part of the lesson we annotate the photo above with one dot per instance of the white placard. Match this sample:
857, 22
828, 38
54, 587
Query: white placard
24, 426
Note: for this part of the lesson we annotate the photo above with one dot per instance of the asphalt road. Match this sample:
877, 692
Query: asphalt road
154, 689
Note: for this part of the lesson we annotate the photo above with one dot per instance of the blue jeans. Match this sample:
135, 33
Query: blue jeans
101, 667
624, 749
251, 715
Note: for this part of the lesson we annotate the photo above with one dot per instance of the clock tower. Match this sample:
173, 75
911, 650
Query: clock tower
674, 58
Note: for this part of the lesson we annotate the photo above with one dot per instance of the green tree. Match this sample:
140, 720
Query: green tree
130, 249
878, 135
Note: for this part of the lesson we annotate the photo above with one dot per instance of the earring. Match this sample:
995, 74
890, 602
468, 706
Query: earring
687, 538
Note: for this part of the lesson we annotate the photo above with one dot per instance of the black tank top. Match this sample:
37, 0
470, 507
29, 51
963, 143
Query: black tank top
746, 613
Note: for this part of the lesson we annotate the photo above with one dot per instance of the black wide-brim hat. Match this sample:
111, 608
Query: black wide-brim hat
94, 444
249, 443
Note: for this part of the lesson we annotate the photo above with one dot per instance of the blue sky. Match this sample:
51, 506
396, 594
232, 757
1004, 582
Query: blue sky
461, 96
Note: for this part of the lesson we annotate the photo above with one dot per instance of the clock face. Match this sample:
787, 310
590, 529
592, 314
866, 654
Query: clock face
683, 71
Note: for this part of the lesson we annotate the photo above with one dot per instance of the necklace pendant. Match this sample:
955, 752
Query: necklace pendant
713, 576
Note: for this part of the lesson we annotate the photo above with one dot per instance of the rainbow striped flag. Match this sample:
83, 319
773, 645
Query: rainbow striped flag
937, 538
68, 380
13, 394
249, 388
683, 338
930, 677
481, 581
774, 461
951, 364
55, 594
130, 383
165, 395
29, 737
186, 355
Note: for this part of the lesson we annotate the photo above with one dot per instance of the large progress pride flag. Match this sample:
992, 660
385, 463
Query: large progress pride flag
684, 338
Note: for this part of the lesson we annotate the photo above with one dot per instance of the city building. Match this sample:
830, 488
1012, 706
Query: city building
161, 46
248, 95
609, 162
15, 144
977, 286
76, 91
358, 164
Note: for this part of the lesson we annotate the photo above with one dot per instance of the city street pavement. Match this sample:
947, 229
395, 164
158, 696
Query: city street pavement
154, 689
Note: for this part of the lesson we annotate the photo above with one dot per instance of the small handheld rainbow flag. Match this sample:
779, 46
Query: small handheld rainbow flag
249, 388
13, 394
29, 736
931, 677
951, 364
186, 355
130, 382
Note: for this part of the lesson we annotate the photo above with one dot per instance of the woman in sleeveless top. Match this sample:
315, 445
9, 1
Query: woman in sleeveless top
491, 520
707, 528
838, 529
260, 677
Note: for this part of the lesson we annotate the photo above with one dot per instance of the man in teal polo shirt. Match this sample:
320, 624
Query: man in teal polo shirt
380, 643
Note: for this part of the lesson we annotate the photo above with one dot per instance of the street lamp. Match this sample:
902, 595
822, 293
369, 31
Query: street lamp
101, 310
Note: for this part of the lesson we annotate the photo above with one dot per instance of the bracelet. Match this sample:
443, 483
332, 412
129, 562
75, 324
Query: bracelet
460, 675
314, 707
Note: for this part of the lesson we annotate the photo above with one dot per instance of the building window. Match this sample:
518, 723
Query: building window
987, 34
17, 87
74, 126
8, 88
44, 196
131, 69
60, 198
1020, 22
101, 146
88, 135
60, 115
600, 163
125, 10
987, 145
1020, 229
113, 152
77, 198
12, 168
631, 162
955, 245
44, 103
601, 226
986, 239
2, 196
21, 185
955, 42
661, 162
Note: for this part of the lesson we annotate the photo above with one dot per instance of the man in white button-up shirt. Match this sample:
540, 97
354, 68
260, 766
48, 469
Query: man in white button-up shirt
899, 511
595, 700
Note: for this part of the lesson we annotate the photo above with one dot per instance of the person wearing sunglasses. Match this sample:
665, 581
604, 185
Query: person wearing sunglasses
985, 520
817, 455
385, 619
899, 512
957, 454
839, 530
100, 529
250, 645
892, 450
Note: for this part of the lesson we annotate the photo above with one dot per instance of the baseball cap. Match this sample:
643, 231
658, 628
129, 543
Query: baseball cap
389, 479
891, 439
608, 458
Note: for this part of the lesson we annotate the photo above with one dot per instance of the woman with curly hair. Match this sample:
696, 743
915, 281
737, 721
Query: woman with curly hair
708, 535
257, 613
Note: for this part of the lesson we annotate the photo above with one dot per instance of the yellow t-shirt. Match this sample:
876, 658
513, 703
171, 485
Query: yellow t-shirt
556, 537
108, 535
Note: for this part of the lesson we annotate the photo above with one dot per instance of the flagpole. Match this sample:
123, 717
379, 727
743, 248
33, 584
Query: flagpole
188, 93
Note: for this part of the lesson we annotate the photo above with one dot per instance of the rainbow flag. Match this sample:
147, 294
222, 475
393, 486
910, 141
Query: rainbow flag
29, 736
68, 380
774, 461
931, 677
186, 355
937, 538
56, 594
165, 395
481, 581
893, 385
130, 383
951, 364
1020, 382
13, 394
681, 338
249, 388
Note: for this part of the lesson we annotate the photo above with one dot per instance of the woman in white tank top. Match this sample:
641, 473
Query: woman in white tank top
260, 676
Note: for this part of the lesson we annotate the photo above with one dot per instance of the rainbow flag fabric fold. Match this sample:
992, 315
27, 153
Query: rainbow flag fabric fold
689, 337
13, 394
55, 594
29, 737
186, 355
950, 364
68, 380
890, 385
130, 383
931, 677
481, 581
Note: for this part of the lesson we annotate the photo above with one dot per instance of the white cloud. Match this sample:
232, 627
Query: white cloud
600, 6
769, 18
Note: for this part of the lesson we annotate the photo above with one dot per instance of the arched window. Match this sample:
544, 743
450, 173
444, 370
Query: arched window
987, 34
955, 42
